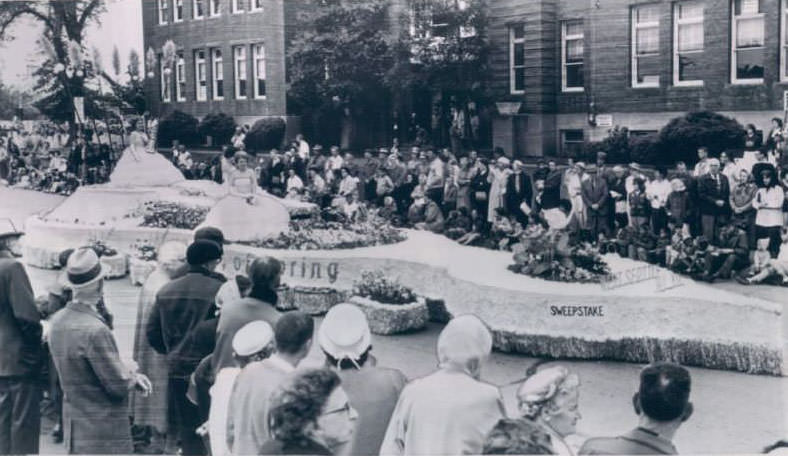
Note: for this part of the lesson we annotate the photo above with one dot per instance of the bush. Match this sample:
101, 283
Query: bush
178, 126
218, 126
616, 146
265, 134
645, 149
681, 137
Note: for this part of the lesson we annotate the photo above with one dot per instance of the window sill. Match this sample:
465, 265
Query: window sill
177, 21
163, 23
746, 82
199, 18
517, 92
646, 86
256, 10
260, 97
218, 98
572, 89
684, 84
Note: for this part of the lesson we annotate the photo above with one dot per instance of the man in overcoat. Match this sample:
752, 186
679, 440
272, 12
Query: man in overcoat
95, 382
595, 198
518, 191
20, 355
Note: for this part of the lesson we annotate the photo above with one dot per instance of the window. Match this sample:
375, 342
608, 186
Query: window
218, 75
164, 11
688, 44
180, 78
239, 56
747, 47
784, 41
645, 46
259, 71
256, 5
164, 74
178, 12
198, 9
237, 6
572, 143
200, 76
517, 59
572, 56
214, 7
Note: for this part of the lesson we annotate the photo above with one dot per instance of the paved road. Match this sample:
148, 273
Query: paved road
734, 412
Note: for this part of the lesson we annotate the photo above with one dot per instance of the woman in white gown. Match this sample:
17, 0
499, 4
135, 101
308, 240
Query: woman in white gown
247, 213
142, 166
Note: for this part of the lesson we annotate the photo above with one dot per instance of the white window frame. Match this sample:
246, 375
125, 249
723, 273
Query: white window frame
180, 77
734, 22
254, 7
258, 54
166, 87
175, 5
512, 68
163, 8
564, 39
214, 8
564, 142
195, 9
677, 23
236, 74
237, 6
783, 36
216, 76
200, 77
633, 47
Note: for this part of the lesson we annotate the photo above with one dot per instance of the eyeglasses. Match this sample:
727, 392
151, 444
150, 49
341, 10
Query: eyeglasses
344, 408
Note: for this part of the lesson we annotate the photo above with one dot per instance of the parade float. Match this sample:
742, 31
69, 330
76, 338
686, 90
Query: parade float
638, 314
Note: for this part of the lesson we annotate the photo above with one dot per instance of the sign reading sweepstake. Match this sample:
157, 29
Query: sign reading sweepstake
604, 120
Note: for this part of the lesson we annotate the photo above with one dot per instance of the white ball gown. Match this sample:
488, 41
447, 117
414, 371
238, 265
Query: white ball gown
241, 220
143, 167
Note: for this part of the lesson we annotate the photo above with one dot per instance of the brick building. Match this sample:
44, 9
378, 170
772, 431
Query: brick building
230, 57
565, 71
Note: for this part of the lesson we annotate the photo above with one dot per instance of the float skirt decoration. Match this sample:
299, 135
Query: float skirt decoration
388, 319
315, 300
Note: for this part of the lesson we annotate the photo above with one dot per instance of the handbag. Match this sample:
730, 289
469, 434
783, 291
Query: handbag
480, 196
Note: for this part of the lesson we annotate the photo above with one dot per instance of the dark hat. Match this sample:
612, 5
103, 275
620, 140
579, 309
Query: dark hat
202, 251
210, 233
62, 259
8, 229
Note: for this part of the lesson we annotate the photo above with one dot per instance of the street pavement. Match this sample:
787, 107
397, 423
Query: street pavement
734, 412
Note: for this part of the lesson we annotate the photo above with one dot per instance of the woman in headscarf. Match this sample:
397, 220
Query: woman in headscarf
549, 398
152, 410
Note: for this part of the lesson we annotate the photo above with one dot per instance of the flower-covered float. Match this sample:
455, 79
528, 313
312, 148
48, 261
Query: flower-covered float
390, 307
631, 316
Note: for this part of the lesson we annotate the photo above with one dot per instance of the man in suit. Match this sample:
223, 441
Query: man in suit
182, 306
713, 194
595, 196
20, 357
518, 191
662, 405
95, 382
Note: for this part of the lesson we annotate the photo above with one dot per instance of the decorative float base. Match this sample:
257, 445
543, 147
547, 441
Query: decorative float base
646, 315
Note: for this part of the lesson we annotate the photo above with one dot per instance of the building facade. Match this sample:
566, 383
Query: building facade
566, 71
230, 57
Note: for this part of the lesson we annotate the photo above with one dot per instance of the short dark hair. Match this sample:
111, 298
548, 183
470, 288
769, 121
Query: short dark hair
517, 436
346, 363
292, 331
664, 391
299, 401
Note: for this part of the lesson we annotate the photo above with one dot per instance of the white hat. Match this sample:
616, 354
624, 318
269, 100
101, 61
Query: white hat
83, 268
252, 338
503, 161
345, 333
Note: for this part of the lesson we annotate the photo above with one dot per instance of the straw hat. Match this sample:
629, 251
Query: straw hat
252, 338
83, 268
345, 333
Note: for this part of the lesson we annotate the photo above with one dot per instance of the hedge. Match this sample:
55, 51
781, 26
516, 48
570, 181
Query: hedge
266, 134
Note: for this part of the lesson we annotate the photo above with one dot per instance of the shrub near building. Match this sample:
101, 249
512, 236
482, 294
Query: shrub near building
178, 126
218, 126
266, 134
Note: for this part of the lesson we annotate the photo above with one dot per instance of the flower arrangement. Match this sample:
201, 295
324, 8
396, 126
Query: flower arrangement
548, 255
375, 286
143, 250
165, 214
330, 231
101, 249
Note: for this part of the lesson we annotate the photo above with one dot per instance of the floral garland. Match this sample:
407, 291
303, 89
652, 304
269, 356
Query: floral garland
165, 214
101, 249
548, 255
375, 286
330, 231
143, 250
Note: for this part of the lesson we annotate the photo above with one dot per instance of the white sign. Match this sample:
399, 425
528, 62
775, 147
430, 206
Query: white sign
604, 120
785, 100
79, 108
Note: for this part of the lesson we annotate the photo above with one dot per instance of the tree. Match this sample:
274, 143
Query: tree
116, 61
339, 60
64, 25
682, 136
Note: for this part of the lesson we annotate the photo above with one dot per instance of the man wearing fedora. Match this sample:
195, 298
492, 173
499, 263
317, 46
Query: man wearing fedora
95, 382
181, 307
20, 357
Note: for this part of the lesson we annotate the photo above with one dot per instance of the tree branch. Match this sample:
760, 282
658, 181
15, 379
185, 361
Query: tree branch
88, 12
